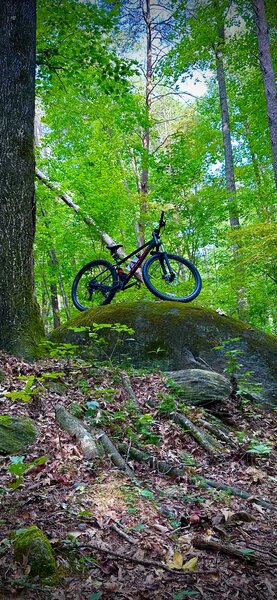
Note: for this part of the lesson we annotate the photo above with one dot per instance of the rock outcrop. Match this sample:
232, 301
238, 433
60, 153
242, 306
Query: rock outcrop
173, 336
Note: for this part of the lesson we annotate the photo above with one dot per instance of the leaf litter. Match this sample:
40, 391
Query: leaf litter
154, 519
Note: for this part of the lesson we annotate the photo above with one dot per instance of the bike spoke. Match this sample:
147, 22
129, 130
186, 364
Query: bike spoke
174, 283
94, 287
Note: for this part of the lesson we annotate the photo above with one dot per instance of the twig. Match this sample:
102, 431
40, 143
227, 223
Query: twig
138, 561
123, 534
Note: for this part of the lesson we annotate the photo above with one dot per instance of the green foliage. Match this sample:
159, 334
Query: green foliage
260, 449
91, 102
27, 393
17, 468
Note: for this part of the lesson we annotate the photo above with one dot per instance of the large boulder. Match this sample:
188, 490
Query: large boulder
16, 434
172, 336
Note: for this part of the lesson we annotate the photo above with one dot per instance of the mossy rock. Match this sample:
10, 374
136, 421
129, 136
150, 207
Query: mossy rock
16, 434
172, 336
33, 544
201, 387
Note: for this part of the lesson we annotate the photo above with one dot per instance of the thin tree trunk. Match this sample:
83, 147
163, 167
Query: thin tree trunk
253, 155
225, 123
268, 76
55, 305
21, 327
55, 263
144, 178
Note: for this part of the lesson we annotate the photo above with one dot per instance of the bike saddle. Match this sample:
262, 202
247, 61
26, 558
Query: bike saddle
114, 248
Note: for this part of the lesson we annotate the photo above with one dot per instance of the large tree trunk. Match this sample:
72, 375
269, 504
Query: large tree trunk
21, 327
268, 77
225, 123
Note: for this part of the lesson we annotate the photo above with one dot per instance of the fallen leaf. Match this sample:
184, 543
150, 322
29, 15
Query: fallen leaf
177, 561
191, 564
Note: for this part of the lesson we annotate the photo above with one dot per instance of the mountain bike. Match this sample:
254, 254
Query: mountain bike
167, 276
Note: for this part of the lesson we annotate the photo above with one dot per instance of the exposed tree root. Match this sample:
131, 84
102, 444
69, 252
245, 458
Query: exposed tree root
74, 427
197, 434
126, 382
206, 483
112, 451
161, 466
217, 432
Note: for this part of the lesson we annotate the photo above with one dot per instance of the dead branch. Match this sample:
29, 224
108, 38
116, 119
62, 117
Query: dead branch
138, 561
74, 427
225, 548
123, 534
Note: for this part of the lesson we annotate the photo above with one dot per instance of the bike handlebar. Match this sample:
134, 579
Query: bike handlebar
162, 221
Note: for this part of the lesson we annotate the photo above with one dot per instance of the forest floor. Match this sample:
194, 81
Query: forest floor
158, 536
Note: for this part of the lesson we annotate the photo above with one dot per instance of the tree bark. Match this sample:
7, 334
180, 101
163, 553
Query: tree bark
268, 76
21, 327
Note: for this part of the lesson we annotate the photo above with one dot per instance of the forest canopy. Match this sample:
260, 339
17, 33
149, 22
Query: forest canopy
143, 106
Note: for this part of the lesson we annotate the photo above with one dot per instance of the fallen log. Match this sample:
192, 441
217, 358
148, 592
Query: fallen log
74, 427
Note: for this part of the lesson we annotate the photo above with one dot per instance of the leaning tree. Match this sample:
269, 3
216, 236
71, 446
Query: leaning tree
20, 325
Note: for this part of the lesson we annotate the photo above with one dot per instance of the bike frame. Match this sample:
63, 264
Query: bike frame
155, 242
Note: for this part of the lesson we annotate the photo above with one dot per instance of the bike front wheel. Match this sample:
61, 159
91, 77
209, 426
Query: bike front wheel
94, 285
171, 277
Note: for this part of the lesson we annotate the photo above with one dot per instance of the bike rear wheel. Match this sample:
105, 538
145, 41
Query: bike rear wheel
94, 285
181, 282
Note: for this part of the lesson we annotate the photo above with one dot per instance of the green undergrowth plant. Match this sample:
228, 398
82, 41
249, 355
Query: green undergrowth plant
118, 331
18, 468
33, 385
26, 394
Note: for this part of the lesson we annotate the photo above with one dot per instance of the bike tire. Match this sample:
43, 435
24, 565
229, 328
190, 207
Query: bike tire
189, 278
97, 272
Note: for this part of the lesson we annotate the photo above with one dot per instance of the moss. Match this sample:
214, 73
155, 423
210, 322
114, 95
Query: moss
16, 433
33, 544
